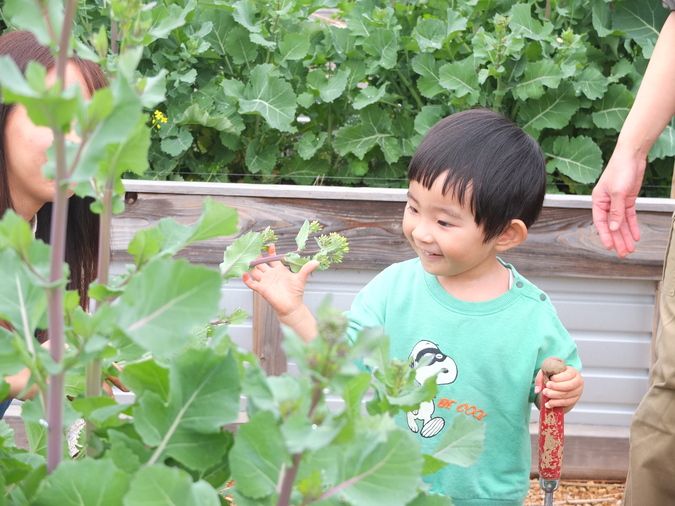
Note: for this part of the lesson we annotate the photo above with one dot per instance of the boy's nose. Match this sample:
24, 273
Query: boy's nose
422, 234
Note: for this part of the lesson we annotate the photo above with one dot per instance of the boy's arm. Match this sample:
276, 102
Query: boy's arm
284, 291
562, 389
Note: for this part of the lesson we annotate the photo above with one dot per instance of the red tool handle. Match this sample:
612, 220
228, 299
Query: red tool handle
551, 428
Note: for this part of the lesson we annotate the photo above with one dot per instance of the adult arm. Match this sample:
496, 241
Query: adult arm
615, 193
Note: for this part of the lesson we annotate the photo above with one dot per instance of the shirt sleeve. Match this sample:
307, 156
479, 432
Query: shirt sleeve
557, 343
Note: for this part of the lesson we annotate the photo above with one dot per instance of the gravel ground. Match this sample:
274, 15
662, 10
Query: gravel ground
578, 493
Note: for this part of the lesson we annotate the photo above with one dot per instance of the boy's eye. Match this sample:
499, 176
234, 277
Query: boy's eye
444, 223
412, 209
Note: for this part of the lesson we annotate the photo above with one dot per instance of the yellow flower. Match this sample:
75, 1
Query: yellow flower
158, 118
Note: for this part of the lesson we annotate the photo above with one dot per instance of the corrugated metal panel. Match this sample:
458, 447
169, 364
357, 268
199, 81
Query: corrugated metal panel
611, 321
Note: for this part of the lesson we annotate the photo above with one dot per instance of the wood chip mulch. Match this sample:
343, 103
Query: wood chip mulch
578, 493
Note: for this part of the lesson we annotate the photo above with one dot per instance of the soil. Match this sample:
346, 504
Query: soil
579, 493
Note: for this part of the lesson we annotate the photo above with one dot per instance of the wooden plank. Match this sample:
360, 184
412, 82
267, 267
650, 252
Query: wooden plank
267, 337
562, 243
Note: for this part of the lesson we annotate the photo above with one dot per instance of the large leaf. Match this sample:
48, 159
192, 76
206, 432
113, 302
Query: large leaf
31, 16
294, 46
203, 397
578, 157
538, 75
591, 82
461, 79
383, 45
329, 87
640, 21
373, 129
614, 107
379, 473
522, 23
430, 34
553, 110
429, 81
76, 483
164, 302
271, 97
462, 443
258, 456
168, 486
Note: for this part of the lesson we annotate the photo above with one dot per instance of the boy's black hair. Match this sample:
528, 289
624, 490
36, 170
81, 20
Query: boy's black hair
490, 158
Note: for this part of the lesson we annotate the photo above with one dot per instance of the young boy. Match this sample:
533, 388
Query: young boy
476, 184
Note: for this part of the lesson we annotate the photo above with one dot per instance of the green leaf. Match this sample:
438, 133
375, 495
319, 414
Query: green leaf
614, 107
640, 21
578, 157
664, 145
294, 46
461, 78
309, 144
165, 19
537, 76
302, 235
553, 110
240, 254
203, 397
383, 45
372, 130
384, 473
164, 301
261, 157
31, 16
430, 34
601, 15
177, 144
329, 87
238, 45
22, 303
245, 14
591, 83
146, 376
271, 97
431, 500
75, 483
427, 67
462, 443
223, 121
522, 23
428, 116
257, 461
368, 96
159, 485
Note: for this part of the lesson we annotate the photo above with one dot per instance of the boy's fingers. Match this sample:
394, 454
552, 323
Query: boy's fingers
308, 268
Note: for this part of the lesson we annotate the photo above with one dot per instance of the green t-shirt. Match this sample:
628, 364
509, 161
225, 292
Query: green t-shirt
486, 356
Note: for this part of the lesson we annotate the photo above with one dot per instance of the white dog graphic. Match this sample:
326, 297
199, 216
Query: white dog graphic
428, 360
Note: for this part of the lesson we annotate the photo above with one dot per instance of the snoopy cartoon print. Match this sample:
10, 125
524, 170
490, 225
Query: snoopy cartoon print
428, 360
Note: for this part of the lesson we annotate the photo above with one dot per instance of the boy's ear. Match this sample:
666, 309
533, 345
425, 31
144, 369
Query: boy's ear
515, 234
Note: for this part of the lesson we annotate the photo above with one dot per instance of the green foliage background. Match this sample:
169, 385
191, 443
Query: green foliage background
340, 93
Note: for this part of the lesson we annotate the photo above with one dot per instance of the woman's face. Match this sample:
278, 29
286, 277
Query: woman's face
26, 152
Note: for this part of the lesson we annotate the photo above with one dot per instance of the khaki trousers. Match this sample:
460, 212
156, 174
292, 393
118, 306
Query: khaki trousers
651, 470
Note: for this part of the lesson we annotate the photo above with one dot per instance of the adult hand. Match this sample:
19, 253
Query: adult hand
614, 198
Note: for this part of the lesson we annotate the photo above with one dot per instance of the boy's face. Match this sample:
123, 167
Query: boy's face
444, 234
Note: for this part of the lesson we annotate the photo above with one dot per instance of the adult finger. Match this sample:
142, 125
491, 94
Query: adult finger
617, 211
600, 216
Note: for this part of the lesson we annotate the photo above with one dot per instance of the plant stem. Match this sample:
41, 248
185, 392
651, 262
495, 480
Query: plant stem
93, 387
58, 241
411, 88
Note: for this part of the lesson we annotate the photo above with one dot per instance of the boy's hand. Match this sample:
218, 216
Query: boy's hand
563, 389
283, 289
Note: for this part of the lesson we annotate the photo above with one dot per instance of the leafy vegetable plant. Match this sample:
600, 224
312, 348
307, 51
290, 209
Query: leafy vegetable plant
341, 92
